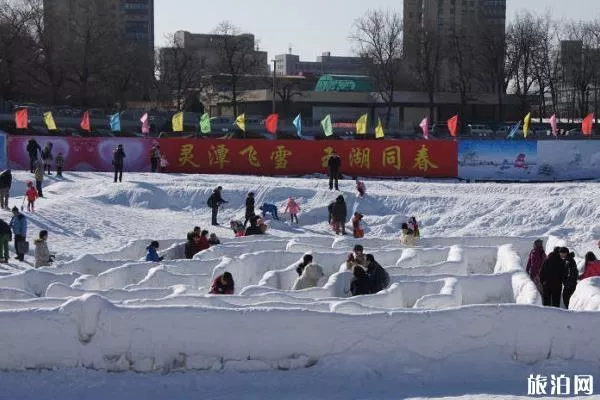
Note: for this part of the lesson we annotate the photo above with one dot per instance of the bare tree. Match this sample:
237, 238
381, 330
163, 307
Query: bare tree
180, 71
464, 79
491, 58
236, 58
580, 62
427, 66
15, 47
378, 37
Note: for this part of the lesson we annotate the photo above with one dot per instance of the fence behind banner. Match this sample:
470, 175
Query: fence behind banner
483, 160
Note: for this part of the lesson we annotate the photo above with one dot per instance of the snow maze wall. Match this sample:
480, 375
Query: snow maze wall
448, 299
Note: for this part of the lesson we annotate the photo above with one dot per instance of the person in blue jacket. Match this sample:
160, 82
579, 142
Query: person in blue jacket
18, 224
152, 252
269, 208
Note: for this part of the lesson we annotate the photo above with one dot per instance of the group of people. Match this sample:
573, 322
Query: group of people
199, 240
158, 160
557, 274
17, 228
45, 158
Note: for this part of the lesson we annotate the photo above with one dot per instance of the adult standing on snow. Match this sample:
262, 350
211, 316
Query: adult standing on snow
154, 158
249, 208
32, 149
551, 277
214, 202
378, 276
333, 165
537, 256
47, 157
337, 215
571, 275
118, 162
5, 237
18, 224
5, 184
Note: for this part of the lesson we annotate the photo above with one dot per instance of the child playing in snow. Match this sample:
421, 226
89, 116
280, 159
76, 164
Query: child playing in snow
60, 162
293, 208
163, 163
238, 228
357, 230
31, 194
360, 187
269, 208
414, 226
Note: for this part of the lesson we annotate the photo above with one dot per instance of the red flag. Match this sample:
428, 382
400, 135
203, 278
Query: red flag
271, 123
586, 126
21, 118
85, 122
453, 125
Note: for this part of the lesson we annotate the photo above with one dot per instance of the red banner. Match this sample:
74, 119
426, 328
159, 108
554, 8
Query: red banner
434, 159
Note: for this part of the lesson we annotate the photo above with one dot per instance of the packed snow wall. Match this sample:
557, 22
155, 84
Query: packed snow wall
91, 332
482, 160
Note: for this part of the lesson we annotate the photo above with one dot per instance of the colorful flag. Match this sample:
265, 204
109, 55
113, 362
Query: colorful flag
554, 125
49, 121
361, 125
453, 125
526, 123
587, 124
271, 123
85, 122
298, 125
177, 122
326, 125
205, 125
425, 127
379, 134
514, 130
145, 124
21, 118
115, 122
240, 122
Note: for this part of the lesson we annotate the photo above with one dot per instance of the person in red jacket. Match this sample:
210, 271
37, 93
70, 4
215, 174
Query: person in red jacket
202, 243
537, 256
592, 266
32, 195
223, 284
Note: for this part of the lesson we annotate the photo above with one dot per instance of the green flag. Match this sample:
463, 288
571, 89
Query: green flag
205, 127
326, 124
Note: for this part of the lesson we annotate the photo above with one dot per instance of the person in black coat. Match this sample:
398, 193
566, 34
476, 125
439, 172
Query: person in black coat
214, 202
306, 259
118, 162
337, 215
254, 229
33, 148
190, 246
360, 284
333, 165
5, 184
571, 275
551, 276
249, 208
378, 277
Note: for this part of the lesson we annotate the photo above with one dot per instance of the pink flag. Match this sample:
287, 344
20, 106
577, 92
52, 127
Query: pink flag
145, 124
553, 125
425, 126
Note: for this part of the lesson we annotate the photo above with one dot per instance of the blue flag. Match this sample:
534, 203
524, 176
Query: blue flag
115, 122
514, 130
298, 125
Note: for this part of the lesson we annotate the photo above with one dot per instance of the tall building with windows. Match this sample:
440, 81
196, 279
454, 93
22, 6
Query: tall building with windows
445, 18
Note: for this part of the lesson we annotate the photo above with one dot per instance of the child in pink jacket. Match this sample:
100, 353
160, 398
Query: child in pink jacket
293, 208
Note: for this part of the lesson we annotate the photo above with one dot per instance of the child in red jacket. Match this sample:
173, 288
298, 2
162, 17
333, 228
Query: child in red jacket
357, 230
31, 194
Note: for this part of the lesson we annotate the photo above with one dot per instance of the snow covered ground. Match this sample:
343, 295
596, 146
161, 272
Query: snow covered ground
461, 318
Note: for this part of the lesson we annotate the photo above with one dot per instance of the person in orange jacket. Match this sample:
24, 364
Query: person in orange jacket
31, 194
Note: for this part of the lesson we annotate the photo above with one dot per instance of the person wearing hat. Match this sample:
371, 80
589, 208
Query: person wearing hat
249, 208
153, 252
214, 202
537, 256
18, 224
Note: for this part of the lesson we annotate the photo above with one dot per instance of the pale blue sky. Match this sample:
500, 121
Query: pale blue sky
312, 26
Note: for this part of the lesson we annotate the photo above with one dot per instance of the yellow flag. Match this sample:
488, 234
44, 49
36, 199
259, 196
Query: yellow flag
240, 121
526, 122
49, 121
361, 125
379, 130
177, 122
